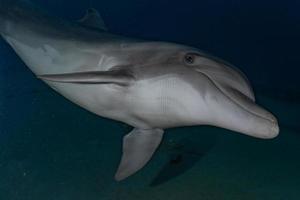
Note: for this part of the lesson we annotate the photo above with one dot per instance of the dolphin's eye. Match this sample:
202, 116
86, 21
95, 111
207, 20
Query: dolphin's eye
189, 59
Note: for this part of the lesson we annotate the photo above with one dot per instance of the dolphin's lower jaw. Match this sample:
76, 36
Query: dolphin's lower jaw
253, 120
256, 121
267, 124
233, 110
236, 118
259, 128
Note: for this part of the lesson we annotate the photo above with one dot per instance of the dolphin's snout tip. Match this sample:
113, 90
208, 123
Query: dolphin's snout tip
275, 128
273, 131
119, 176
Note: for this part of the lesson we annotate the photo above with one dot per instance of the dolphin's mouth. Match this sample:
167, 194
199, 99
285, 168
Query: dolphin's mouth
245, 102
234, 85
241, 100
244, 115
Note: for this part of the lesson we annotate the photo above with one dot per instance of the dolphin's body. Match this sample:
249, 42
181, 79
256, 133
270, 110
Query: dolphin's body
148, 85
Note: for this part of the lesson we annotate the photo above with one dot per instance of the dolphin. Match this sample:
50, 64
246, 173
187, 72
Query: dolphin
149, 85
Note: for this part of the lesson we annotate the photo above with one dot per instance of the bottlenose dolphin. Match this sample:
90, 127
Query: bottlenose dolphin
149, 85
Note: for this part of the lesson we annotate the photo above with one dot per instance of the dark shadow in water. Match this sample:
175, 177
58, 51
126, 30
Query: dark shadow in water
184, 154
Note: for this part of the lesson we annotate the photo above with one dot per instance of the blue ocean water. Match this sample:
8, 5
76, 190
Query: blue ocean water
52, 149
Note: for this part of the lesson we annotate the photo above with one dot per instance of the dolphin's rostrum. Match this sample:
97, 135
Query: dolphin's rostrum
148, 85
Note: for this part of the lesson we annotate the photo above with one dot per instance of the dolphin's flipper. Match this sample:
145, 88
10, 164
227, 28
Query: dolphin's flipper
138, 148
119, 77
93, 19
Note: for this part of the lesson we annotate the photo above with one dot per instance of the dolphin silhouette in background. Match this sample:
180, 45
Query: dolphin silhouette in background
148, 85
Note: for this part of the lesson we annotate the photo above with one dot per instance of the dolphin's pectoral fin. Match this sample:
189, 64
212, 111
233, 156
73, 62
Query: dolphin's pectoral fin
93, 19
138, 148
119, 77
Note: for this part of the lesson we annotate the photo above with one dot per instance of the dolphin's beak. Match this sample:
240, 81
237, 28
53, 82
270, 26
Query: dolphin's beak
239, 113
236, 105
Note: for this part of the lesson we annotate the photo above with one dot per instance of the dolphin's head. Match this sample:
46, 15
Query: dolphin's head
226, 97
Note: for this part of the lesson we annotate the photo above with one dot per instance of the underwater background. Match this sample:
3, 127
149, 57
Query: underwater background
51, 149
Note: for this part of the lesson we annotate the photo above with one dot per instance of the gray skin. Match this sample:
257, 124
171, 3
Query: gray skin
148, 85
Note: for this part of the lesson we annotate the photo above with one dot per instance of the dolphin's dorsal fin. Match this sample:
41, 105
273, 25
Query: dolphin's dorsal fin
93, 19
138, 148
121, 77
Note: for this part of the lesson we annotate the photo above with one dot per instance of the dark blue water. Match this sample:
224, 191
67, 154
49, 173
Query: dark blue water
50, 149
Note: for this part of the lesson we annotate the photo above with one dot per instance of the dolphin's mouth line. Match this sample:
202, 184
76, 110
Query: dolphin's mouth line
245, 98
